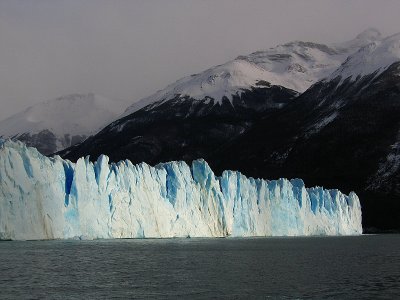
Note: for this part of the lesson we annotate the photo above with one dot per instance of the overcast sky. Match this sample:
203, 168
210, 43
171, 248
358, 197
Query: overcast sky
128, 49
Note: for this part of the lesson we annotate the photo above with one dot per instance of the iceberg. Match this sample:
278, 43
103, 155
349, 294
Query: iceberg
52, 198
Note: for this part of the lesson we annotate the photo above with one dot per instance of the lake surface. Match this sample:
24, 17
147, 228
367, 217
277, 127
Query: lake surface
259, 268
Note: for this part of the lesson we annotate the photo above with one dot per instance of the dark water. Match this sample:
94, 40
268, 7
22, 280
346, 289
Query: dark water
283, 268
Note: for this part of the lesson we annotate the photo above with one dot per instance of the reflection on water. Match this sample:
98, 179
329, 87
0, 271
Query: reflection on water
328, 267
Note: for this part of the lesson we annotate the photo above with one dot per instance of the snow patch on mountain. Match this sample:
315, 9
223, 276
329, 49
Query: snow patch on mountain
387, 169
322, 123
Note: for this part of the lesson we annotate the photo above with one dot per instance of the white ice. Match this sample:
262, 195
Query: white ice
50, 198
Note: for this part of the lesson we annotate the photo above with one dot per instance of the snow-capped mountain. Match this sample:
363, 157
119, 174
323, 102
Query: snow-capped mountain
227, 80
295, 66
56, 124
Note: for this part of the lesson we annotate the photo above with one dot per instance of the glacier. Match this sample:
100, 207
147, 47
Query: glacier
52, 198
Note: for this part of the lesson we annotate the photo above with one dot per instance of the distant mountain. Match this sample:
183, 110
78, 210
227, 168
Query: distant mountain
198, 114
343, 132
60, 123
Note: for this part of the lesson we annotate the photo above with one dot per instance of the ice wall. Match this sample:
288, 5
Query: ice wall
50, 198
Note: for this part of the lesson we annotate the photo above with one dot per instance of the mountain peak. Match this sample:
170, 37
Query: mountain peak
216, 83
375, 57
369, 34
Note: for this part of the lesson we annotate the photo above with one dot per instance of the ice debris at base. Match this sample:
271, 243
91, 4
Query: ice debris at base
50, 198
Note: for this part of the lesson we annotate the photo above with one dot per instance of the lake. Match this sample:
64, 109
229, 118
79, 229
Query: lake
365, 266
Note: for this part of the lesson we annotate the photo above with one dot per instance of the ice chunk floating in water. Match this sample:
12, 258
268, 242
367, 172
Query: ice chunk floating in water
50, 198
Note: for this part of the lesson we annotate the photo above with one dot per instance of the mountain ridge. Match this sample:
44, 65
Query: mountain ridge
294, 65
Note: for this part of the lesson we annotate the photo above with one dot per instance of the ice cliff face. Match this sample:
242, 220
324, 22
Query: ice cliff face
50, 198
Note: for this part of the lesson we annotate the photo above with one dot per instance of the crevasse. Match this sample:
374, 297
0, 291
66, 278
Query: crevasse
51, 198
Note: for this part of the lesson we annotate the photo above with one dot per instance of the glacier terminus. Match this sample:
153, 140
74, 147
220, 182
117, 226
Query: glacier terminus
52, 198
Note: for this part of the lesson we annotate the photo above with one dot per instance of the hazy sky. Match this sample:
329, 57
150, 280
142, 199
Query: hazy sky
128, 49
